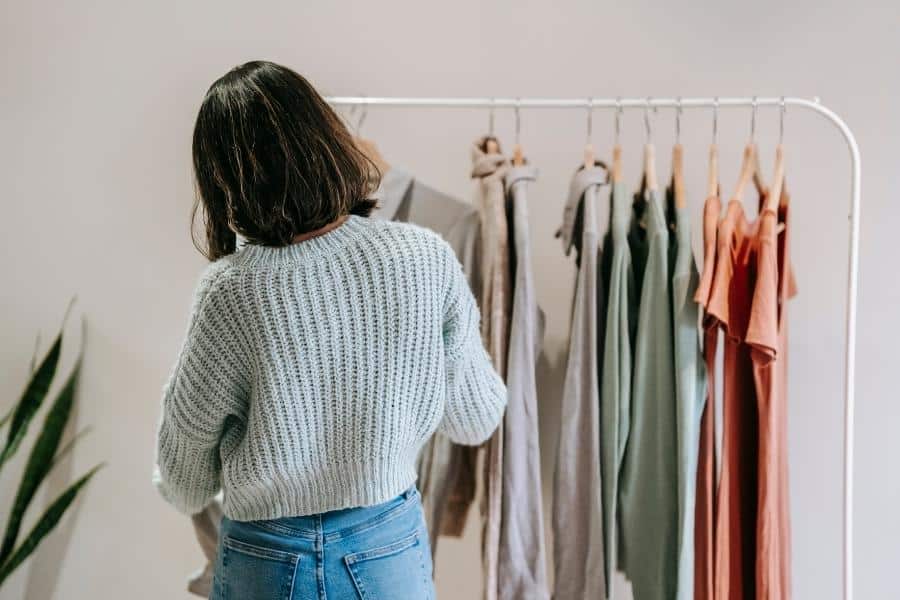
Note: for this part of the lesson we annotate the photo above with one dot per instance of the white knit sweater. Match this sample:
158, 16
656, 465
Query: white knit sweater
311, 374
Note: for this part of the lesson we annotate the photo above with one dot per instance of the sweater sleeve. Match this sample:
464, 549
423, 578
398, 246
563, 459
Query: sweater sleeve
475, 395
205, 395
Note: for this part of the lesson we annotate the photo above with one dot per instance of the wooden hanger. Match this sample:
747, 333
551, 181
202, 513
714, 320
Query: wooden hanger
617, 164
588, 147
784, 199
774, 197
746, 172
712, 181
617, 147
678, 163
518, 158
678, 176
757, 174
650, 167
491, 145
750, 167
712, 177
650, 182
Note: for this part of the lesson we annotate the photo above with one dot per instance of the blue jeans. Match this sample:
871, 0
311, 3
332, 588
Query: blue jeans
371, 553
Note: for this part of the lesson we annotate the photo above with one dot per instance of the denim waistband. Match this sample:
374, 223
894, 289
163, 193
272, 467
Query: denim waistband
337, 524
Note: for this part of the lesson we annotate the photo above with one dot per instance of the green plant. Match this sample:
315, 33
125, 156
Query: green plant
45, 453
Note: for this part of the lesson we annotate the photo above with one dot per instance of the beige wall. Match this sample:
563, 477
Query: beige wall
96, 106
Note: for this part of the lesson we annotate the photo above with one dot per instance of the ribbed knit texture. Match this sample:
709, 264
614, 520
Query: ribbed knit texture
311, 374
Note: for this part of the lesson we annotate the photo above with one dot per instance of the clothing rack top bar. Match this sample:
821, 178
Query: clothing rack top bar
582, 103
853, 257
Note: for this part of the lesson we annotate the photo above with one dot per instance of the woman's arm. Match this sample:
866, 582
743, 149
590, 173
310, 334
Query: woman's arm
476, 396
206, 390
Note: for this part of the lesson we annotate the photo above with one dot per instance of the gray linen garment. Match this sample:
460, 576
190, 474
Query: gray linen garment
489, 172
690, 395
648, 492
615, 379
522, 571
577, 507
441, 463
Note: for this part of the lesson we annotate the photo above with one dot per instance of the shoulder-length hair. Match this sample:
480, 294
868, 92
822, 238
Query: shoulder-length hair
273, 160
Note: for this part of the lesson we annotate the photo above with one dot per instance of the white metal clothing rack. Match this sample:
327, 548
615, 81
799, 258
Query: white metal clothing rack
679, 103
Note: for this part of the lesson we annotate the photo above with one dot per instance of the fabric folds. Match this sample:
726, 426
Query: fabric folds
522, 570
577, 503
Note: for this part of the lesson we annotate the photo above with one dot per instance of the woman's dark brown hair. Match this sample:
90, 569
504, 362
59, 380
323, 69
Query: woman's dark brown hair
273, 160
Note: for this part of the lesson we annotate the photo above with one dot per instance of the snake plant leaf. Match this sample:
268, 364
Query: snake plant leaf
45, 525
69, 445
31, 400
34, 355
34, 393
37, 343
40, 460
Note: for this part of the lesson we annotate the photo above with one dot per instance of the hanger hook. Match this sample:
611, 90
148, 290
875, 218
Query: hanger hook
781, 121
518, 118
348, 118
753, 120
491, 117
678, 110
618, 118
647, 119
362, 117
715, 131
590, 118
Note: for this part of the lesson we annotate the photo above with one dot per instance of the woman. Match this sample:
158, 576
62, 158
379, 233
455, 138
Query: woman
318, 358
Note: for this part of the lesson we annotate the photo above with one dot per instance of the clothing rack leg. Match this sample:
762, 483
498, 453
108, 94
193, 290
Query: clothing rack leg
850, 353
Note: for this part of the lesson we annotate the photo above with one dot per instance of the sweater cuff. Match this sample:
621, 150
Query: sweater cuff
195, 483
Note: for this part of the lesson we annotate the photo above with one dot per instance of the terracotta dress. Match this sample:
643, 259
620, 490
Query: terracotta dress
730, 303
707, 461
767, 334
748, 288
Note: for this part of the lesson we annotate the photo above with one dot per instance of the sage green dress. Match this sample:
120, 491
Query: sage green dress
648, 492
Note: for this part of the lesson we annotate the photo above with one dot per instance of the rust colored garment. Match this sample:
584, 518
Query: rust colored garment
705, 506
767, 335
460, 493
730, 303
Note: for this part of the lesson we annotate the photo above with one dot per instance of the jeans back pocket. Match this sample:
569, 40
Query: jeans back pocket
250, 571
392, 572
